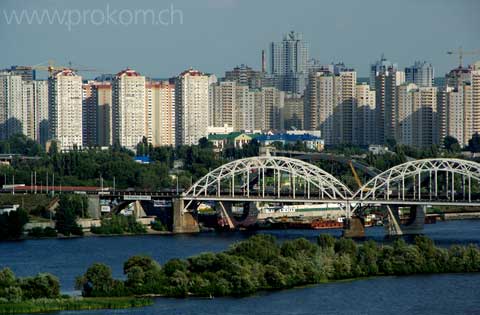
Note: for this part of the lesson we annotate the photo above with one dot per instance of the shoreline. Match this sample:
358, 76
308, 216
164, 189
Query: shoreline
72, 304
446, 217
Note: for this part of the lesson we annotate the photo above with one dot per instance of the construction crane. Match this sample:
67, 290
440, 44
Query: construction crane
460, 52
52, 68
356, 177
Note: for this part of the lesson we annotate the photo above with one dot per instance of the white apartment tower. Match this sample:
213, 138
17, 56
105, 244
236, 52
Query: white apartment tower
191, 106
161, 99
129, 111
13, 112
65, 109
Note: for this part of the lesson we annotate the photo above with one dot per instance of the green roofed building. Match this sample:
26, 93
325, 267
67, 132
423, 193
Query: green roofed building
234, 139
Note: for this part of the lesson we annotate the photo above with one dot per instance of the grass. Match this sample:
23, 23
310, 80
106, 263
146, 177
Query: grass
70, 304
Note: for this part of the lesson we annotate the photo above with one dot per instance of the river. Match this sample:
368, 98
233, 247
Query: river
431, 294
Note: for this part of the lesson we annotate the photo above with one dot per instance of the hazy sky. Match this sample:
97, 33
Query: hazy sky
218, 34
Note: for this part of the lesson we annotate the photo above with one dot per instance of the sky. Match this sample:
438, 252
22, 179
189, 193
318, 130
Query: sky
215, 35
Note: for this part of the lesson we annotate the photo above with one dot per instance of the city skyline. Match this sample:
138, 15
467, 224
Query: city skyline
332, 37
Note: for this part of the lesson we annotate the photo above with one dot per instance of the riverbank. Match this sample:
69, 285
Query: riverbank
71, 304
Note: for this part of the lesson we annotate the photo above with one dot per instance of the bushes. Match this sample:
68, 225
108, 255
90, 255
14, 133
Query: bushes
119, 224
12, 224
42, 232
14, 289
260, 263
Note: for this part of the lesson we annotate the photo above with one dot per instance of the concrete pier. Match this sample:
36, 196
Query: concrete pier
183, 222
354, 228
413, 226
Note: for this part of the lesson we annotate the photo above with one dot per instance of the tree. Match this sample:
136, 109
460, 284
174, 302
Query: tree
43, 285
451, 144
97, 281
297, 248
474, 143
7, 278
203, 143
66, 218
145, 263
12, 224
326, 241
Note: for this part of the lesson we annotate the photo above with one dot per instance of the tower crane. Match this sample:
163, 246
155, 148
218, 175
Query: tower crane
460, 52
52, 68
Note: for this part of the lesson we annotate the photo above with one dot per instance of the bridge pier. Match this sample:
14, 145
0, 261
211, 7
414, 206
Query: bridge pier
183, 222
353, 228
413, 227
94, 206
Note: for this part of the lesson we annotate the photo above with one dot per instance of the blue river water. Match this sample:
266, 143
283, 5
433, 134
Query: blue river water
424, 294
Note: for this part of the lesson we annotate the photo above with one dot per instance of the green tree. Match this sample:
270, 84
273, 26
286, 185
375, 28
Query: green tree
300, 247
451, 144
43, 285
97, 281
145, 263
474, 143
326, 241
12, 224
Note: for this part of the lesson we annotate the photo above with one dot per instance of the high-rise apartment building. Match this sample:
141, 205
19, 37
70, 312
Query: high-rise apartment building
26, 72
421, 74
104, 114
365, 130
129, 111
245, 75
65, 109
28, 100
245, 108
386, 82
191, 107
289, 63
272, 106
416, 115
41, 111
13, 112
89, 113
293, 112
459, 105
161, 100
330, 105
224, 104
378, 67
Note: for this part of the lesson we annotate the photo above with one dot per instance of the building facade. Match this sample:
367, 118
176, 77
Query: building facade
104, 114
162, 119
330, 105
365, 130
289, 63
386, 83
129, 111
245, 75
192, 94
65, 109
420, 73
293, 112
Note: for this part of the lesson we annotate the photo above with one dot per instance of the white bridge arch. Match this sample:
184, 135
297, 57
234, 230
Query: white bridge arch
306, 180
427, 179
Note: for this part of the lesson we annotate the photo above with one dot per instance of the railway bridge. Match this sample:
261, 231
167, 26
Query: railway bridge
415, 184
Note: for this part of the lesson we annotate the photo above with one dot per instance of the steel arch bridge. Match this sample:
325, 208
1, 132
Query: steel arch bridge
261, 178
439, 180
